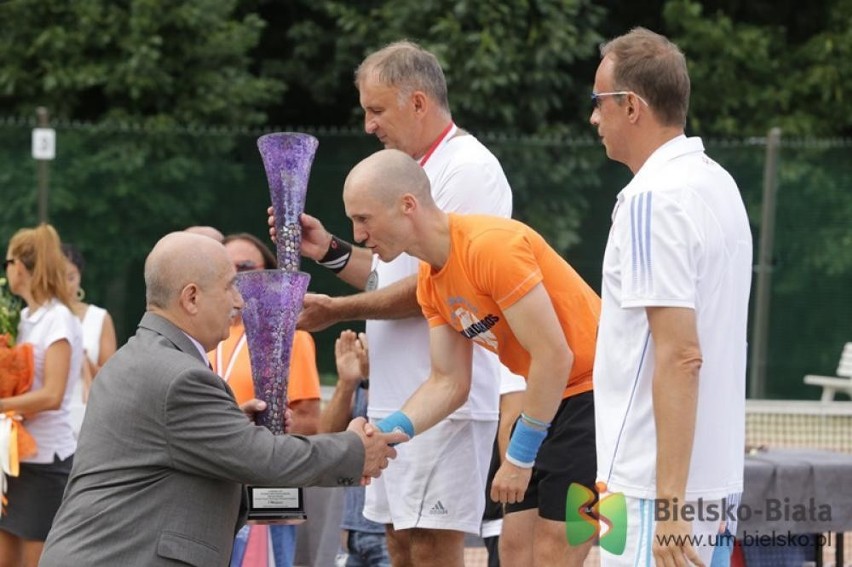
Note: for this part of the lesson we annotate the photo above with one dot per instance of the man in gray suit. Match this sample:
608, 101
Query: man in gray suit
164, 449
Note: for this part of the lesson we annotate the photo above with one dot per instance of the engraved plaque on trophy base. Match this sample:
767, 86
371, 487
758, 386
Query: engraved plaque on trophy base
275, 505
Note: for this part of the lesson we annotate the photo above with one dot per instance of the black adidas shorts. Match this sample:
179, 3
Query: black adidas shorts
567, 455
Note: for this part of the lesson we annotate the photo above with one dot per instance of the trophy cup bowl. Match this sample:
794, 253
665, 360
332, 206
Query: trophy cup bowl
273, 299
287, 158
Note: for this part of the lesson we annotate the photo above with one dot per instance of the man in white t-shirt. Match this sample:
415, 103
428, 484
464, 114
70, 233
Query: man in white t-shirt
671, 352
435, 491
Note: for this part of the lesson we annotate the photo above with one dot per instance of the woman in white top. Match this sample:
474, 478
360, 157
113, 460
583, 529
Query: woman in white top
35, 270
98, 334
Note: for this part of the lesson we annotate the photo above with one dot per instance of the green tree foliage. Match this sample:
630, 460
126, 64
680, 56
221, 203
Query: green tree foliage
154, 62
509, 65
146, 71
724, 98
766, 69
821, 81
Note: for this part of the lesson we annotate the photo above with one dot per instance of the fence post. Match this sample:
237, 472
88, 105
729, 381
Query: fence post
44, 149
763, 268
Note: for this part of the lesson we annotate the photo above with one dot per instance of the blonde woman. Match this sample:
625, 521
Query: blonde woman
99, 341
35, 270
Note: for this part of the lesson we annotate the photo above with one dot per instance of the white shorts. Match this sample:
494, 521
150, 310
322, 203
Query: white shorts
706, 537
437, 480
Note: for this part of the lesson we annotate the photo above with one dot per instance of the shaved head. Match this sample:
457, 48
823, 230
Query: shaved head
387, 175
208, 231
178, 259
388, 198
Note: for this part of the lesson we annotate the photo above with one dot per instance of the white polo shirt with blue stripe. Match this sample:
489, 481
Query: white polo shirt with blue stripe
680, 237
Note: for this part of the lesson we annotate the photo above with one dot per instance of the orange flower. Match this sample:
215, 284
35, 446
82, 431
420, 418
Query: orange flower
16, 368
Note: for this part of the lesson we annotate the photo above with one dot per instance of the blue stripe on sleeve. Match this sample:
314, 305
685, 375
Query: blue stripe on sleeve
648, 273
633, 238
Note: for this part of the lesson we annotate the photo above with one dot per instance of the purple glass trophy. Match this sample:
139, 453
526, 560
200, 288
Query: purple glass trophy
273, 300
287, 158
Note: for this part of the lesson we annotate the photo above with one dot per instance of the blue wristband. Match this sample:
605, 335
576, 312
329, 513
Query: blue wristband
524, 444
397, 421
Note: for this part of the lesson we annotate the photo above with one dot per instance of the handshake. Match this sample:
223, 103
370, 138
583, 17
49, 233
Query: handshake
378, 447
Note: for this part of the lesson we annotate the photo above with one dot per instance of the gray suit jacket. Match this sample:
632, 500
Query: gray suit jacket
162, 456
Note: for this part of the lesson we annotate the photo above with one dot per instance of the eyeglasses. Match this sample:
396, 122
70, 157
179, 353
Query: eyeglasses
246, 266
596, 97
8, 262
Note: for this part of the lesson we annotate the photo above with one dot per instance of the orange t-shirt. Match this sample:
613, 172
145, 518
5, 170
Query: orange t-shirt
304, 381
493, 263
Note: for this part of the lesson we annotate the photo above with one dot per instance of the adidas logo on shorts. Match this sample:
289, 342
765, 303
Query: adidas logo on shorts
438, 510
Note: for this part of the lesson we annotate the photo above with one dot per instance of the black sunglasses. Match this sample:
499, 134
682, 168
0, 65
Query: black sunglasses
596, 97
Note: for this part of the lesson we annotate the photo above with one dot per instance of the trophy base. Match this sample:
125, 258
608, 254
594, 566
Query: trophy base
275, 505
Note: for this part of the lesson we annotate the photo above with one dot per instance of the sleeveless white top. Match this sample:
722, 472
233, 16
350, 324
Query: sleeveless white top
93, 324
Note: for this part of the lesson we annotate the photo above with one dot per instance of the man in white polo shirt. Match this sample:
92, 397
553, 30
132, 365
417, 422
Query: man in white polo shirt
671, 355
436, 490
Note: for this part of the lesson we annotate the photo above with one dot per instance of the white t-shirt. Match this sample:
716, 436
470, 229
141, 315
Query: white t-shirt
465, 178
680, 237
51, 429
511, 382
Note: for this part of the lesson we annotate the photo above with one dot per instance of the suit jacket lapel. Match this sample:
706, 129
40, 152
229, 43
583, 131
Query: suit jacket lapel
169, 331
166, 328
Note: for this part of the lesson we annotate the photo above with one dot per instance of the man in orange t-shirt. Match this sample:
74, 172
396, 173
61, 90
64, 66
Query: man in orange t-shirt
491, 266
497, 282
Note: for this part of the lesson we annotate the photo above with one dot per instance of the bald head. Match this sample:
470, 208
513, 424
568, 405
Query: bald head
388, 199
178, 259
387, 175
208, 231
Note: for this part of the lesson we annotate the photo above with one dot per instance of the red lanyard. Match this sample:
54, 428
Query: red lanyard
437, 143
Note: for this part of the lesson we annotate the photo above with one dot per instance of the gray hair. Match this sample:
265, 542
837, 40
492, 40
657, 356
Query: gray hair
408, 67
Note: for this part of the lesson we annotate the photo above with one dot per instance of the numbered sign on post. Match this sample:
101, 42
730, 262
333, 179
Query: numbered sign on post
44, 143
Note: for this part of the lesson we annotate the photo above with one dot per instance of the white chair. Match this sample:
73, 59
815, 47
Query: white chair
831, 384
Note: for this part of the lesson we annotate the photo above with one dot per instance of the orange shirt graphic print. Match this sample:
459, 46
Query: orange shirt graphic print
478, 331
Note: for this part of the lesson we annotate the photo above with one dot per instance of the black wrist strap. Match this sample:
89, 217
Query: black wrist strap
338, 255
